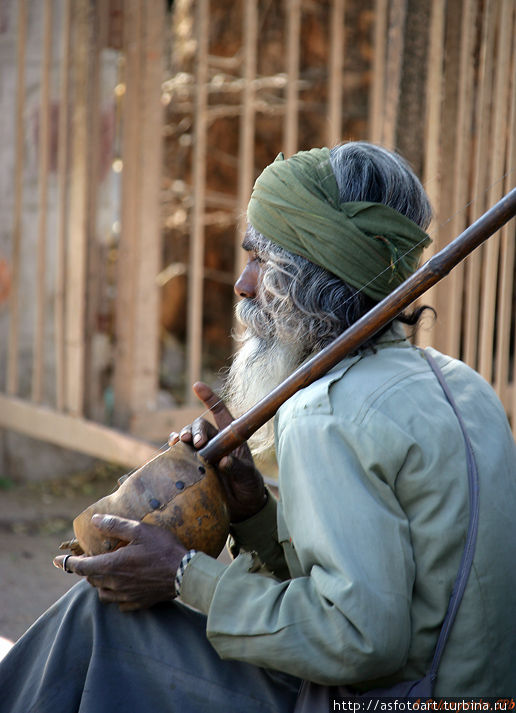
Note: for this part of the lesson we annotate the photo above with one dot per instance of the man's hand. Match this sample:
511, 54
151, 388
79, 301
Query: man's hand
242, 482
137, 575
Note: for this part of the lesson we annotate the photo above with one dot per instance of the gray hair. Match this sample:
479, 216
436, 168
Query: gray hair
305, 304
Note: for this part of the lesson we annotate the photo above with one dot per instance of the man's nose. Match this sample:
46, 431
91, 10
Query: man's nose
247, 283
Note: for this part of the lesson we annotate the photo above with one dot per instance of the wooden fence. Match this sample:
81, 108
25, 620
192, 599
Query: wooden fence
438, 80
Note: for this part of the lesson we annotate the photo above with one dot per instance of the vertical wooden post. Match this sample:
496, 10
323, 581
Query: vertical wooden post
62, 180
136, 374
14, 305
292, 98
337, 52
461, 170
376, 97
498, 149
247, 124
76, 258
398, 12
434, 97
196, 276
43, 156
480, 175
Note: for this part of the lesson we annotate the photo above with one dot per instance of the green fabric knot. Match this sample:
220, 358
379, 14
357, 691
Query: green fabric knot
295, 204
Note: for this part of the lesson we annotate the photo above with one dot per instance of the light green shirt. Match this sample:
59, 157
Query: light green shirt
366, 540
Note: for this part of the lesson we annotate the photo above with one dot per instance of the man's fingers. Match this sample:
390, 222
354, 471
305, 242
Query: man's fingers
214, 403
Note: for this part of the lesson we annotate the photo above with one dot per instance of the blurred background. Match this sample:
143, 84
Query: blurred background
131, 132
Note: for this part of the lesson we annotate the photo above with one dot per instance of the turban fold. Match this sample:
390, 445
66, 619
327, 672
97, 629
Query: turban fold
295, 204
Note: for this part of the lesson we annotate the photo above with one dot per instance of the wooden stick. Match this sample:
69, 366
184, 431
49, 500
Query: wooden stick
431, 272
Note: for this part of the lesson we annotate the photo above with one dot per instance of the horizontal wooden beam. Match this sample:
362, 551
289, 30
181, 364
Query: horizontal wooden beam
73, 433
157, 425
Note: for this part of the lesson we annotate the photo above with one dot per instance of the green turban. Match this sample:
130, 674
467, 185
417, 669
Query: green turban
295, 204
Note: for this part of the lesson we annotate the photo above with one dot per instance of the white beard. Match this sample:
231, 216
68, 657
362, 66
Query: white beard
258, 367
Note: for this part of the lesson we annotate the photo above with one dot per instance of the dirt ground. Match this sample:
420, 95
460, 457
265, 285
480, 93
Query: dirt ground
34, 519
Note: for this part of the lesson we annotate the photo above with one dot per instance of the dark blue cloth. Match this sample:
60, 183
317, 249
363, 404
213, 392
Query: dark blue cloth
83, 656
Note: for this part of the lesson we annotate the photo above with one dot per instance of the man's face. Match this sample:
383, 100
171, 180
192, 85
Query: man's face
247, 283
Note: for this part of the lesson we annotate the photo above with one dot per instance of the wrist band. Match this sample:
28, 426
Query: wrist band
181, 570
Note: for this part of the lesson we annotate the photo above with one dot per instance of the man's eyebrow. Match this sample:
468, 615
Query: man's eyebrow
247, 244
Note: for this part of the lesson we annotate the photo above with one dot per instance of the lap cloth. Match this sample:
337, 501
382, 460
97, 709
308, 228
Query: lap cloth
83, 656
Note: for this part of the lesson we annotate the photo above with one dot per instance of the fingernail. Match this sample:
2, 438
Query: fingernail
55, 563
99, 519
197, 438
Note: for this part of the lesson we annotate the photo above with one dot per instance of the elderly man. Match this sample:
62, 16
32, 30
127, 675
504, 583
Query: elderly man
347, 579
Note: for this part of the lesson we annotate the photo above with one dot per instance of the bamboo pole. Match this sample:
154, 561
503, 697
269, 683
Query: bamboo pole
14, 301
292, 94
62, 181
367, 326
43, 151
196, 276
337, 52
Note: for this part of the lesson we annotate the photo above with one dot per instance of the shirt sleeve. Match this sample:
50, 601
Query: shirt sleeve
259, 535
347, 618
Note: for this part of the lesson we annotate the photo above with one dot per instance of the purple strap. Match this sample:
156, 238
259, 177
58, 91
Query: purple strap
469, 548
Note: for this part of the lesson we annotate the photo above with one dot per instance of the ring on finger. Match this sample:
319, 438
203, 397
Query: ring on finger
68, 571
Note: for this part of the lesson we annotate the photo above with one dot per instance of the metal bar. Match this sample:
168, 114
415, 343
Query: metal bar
395, 47
337, 52
498, 149
247, 124
14, 303
481, 161
43, 151
196, 277
292, 93
62, 181
376, 99
461, 170
367, 326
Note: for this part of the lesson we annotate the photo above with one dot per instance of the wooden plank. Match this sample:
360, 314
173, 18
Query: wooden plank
14, 303
62, 181
196, 276
148, 240
72, 432
395, 44
461, 171
290, 139
376, 98
480, 175
247, 125
131, 186
337, 53
498, 150
43, 161
434, 96
505, 315
77, 219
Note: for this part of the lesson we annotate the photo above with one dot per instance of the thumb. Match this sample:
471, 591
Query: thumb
214, 403
120, 527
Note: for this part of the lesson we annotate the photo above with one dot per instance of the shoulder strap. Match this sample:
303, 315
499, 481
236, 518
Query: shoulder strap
469, 548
